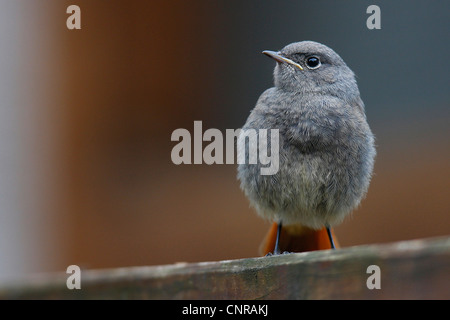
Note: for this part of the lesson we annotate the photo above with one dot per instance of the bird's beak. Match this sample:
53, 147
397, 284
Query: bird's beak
280, 58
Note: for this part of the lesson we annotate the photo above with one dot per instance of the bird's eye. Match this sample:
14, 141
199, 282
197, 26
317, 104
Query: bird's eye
312, 62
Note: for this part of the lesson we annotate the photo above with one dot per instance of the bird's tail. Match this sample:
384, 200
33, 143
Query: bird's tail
296, 238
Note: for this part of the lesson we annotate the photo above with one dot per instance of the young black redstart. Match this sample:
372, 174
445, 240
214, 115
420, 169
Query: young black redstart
326, 148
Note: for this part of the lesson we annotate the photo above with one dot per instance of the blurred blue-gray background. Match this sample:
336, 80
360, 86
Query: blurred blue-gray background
86, 118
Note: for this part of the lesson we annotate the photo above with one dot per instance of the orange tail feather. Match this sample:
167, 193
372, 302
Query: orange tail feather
297, 238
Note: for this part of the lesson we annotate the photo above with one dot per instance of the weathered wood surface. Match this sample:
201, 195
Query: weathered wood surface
418, 269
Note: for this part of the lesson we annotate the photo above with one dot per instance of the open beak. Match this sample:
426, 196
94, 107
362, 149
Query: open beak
280, 58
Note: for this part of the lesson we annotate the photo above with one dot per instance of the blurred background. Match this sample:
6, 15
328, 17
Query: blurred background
86, 118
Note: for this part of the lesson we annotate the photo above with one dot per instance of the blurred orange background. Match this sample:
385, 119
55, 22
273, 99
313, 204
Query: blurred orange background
87, 116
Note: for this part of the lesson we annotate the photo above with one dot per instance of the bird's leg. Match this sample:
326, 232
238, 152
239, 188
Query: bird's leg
276, 250
330, 236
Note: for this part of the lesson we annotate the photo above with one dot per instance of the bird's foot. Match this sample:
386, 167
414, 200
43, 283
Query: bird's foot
277, 253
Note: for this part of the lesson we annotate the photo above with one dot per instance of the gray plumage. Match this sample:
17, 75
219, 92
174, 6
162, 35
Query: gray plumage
326, 148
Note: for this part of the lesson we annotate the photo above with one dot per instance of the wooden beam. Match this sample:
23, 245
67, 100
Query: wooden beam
416, 269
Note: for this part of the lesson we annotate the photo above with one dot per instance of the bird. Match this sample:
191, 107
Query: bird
326, 149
